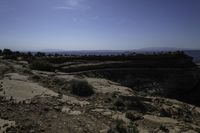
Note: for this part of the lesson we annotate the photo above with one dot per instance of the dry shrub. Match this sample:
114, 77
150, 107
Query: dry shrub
81, 88
41, 65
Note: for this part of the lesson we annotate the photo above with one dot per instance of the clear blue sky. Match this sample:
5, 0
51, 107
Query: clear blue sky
99, 24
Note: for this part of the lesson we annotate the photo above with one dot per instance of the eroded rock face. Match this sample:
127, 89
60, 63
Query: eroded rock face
176, 83
45, 104
107, 86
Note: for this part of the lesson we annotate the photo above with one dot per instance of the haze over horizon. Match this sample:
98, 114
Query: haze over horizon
99, 24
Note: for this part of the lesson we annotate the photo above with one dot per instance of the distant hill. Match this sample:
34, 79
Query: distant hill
193, 53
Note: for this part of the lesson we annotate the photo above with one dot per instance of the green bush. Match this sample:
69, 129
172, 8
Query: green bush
41, 65
81, 88
130, 103
197, 130
121, 127
132, 128
164, 129
132, 116
119, 104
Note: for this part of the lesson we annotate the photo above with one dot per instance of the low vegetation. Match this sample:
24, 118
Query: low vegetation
121, 127
41, 65
124, 103
132, 116
81, 88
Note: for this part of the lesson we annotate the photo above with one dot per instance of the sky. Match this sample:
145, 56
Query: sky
99, 24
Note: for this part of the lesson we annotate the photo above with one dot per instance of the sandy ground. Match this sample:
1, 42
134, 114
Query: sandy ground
18, 88
23, 91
